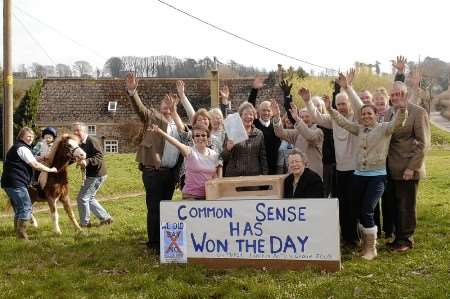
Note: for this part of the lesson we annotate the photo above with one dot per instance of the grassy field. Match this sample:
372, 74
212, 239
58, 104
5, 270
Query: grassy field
112, 262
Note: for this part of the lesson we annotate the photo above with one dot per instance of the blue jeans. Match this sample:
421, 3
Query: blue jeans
21, 202
87, 202
368, 190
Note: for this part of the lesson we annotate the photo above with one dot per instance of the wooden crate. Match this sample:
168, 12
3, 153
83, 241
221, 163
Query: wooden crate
231, 187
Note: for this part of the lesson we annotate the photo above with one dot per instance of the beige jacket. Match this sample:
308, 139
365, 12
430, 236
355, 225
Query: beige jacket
307, 139
409, 143
372, 143
151, 145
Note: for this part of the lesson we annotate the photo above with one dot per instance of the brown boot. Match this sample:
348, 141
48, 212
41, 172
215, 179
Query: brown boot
370, 243
15, 224
22, 229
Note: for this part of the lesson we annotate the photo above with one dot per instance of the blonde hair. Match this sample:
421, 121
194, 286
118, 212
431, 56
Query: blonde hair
381, 92
201, 112
216, 111
23, 131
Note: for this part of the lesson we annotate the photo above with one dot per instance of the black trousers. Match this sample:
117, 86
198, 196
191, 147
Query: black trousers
403, 199
348, 206
329, 180
388, 208
159, 185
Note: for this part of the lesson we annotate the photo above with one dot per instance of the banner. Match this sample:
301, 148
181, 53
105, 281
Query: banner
298, 229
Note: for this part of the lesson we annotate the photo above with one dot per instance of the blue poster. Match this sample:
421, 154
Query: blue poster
173, 243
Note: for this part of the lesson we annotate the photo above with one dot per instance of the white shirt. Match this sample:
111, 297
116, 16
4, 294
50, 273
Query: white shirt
26, 155
170, 153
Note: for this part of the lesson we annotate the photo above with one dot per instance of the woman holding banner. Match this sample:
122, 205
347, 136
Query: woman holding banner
248, 157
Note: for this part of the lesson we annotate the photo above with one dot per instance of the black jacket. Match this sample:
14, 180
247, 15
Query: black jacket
16, 172
309, 186
96, 166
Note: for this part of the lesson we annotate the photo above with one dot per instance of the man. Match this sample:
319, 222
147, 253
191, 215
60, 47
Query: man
158, 159
366, 97
263, 123
344, 146
406, 164
95, 177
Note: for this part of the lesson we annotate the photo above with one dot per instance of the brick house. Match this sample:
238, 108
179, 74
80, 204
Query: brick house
104, 106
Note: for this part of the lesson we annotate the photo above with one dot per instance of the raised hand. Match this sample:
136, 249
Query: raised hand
286, 87
224, 94
342, 81
326, 99
180, 88
350, 76
294, 112
275, 108
131, 82
400, 64
258, 83
172, 101
304, 94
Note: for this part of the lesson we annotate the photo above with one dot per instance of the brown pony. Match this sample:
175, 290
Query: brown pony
55, 186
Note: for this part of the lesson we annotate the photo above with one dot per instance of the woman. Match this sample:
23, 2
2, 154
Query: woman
372, 145
217, 129
285, 148
301, 181
306, 136
16, 177
202, 163
248, 157
381, 102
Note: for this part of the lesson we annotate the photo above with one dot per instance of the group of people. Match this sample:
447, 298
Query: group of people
358, 148
23, 165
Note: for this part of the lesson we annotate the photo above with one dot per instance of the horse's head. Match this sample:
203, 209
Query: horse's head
66, 149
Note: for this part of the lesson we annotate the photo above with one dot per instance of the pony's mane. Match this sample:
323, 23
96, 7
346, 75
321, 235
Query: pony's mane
55, 146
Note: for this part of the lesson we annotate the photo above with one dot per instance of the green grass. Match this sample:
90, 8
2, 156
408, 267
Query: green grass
112, 262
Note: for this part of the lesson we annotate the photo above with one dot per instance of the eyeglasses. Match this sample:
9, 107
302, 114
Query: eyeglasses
200, 135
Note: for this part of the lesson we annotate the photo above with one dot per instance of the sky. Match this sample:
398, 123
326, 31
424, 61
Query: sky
333, 34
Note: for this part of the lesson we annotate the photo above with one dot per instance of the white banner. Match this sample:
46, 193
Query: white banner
297, 229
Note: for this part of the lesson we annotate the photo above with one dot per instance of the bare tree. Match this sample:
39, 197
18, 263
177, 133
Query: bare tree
37, 70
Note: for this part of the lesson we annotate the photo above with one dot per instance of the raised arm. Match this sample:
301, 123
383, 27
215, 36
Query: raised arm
172, 102
339, 119
225, 104
345, 82
286, 87
280, 132
184, 100
323, 120
313, 135
184, 149
145, 114
400, 65
258, 83
397, 121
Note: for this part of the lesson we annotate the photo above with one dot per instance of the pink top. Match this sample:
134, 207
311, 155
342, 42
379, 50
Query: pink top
199, 169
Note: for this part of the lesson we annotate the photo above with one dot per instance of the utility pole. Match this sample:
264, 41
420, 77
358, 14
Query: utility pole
7, 79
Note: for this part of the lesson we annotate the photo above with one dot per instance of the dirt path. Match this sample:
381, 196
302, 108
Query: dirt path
74, 203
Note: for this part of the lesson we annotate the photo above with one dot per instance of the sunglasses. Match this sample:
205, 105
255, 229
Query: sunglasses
200, 135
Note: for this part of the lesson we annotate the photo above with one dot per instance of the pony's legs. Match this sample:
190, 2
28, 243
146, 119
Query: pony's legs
54, 215
69, 211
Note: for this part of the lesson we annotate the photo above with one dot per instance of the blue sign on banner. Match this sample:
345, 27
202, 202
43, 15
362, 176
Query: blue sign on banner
173, 245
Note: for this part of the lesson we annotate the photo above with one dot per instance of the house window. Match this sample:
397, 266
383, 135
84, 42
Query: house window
112, 106
92, 130
111, 146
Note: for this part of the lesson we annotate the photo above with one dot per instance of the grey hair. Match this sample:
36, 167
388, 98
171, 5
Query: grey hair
82, 126
246, 105
297, 151
401, 85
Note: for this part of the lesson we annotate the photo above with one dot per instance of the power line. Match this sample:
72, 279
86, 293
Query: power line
245, 39
60, 33
34, 39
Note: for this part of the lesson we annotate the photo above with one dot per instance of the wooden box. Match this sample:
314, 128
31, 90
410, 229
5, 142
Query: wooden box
248, 187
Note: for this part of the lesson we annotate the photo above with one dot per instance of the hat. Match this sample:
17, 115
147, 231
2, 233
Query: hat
50, 131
